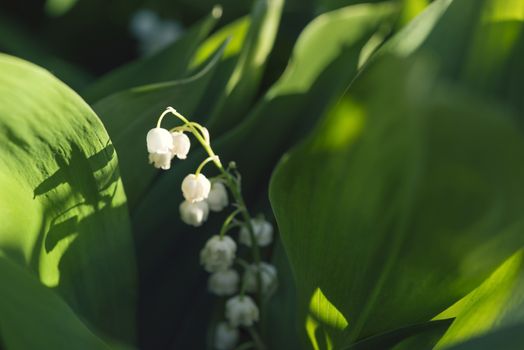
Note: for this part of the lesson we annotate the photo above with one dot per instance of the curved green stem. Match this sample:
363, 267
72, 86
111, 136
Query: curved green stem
207, 160
227, 222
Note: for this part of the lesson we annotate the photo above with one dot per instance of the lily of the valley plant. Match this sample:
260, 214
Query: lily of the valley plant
219, 255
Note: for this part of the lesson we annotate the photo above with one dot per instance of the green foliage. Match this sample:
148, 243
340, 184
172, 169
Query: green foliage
399, 214
64, 215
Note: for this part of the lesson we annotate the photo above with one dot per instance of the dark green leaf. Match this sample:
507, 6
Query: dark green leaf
169, 64
33, 317
408, 195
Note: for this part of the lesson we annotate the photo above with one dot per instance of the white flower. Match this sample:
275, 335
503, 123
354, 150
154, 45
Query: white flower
181, 144
194, 214
195, 187
268, 278
223, 282
218, 253
159, 140
263, 231
241, 311
217, 198
226, 337
160, 160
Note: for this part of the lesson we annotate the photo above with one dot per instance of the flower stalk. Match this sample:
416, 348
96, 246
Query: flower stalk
219, 252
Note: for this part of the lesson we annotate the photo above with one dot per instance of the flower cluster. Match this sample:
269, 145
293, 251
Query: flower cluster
219, 255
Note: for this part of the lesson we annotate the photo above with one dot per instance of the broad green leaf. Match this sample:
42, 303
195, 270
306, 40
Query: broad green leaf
256, 145
63, 208
497, 303
409, 194
128, 116
34, 317
243, 83
507, 338
169, 64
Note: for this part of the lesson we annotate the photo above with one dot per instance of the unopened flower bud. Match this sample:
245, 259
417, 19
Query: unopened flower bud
195, 188
181, 145
226, 337
268, 278
241, 311
194, 214
223, 282
159, 140
263, 232
217, 198
218, 253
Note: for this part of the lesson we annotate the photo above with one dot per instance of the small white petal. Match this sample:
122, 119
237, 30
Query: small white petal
218, 254
268, 278
217, 198
159, 140
160, 160
241, 311
181, 145
194, 214
263, 231
226, 337
223, 282
195, 188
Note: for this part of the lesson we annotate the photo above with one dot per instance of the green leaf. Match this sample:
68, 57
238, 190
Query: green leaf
128, 116
169, 64
243, 83
27, 306
495, 304
64, 213
389, 339
413, 197
476, 42
507, 338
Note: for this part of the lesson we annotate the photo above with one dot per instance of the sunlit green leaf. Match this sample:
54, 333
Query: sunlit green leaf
63, 208
495, 304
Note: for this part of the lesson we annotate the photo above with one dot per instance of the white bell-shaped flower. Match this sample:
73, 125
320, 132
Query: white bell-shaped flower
194, 214
195, 188
223, 282
262, 229
181, 145
217, 198
161, 160
159, 140
226, 337
268, 278
241, 310
218, 253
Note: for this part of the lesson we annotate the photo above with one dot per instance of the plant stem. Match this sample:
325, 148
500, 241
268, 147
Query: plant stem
256, 338
234, 186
